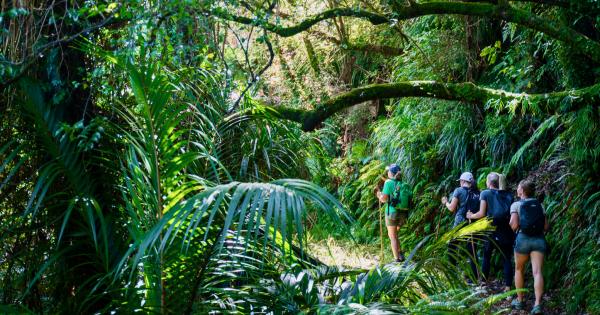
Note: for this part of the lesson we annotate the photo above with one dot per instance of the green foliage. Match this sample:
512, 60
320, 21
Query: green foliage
574, 252
434, 141
129, 182
490, 53
186, 235
396, 288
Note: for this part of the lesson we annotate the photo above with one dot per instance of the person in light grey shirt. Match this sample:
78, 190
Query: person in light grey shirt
529, 219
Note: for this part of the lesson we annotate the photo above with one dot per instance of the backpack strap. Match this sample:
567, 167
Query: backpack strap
387, 208
467, 190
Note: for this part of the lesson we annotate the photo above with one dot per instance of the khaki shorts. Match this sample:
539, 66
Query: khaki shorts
397, 218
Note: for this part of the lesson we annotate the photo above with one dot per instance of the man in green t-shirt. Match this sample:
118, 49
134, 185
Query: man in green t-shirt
395, 196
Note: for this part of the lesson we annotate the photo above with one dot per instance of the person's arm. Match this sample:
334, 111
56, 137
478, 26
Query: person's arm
388, 189
450, 205
481, 213
514, 216
514, 221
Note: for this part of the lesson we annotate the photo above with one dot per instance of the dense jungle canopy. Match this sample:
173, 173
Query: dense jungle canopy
189, 157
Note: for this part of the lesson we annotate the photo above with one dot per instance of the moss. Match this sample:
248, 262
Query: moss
467, 92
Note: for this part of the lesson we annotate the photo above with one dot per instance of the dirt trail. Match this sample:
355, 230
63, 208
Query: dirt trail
550, 305
344, 254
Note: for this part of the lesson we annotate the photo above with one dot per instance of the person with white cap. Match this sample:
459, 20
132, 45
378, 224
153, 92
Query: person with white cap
465, 198
396, 196
459, 198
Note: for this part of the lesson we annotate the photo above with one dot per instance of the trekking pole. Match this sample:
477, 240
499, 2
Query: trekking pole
471, 237
472, 252
380, 232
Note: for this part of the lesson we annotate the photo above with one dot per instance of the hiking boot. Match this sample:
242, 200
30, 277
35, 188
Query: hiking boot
536, 310
517, 305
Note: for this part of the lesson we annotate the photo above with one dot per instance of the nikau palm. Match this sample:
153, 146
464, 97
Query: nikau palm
159, 165
176, 233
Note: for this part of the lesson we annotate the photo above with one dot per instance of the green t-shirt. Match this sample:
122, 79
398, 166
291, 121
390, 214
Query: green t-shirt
388, 188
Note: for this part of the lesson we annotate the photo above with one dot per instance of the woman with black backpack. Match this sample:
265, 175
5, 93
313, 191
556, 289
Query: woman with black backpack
529, 219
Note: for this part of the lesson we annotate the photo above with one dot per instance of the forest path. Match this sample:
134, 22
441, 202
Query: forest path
345, 254
550, 302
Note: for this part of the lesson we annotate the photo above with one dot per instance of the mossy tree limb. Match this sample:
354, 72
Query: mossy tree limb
401, 11
373, 18
502, 101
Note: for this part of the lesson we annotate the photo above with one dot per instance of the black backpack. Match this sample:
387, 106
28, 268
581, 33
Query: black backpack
472, 202
531, 217
501, 217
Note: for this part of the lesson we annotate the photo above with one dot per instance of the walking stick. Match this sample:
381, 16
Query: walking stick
380, 232
472, 252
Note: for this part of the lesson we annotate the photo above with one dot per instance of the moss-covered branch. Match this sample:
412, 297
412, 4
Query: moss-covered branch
467, 92
402, 12
373, 18
507, 13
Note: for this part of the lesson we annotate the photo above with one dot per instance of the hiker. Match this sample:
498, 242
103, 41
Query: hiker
527, 217
495, 203
464, 198
396, 196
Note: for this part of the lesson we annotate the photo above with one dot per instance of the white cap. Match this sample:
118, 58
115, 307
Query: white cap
467, 176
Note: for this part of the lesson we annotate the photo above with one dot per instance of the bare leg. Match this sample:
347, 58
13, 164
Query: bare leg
537, 263
520, 261
398, 232
393, 234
